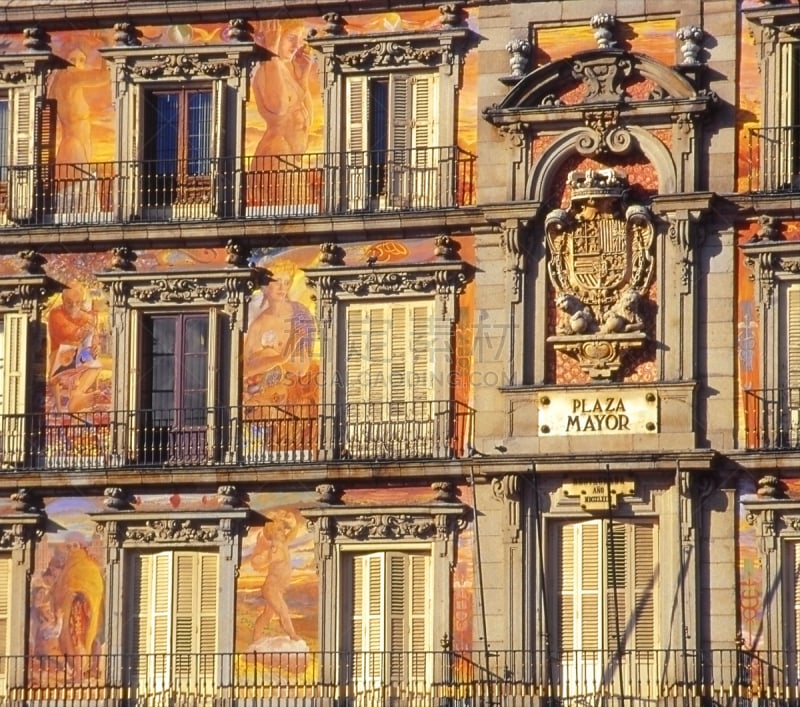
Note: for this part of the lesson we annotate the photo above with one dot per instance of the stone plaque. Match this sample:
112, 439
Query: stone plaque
598, 413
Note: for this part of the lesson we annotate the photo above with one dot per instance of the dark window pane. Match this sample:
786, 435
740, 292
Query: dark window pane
199, 133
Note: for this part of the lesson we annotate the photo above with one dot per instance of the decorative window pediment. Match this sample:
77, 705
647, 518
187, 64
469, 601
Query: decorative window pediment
159, 63
570, 89
394, 50
190, 528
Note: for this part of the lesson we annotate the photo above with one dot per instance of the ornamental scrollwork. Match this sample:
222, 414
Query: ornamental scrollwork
390, 527
177, 290
155, 531
603, 78
389, 53
182, 66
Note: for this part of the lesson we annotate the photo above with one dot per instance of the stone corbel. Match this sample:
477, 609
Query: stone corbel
513, 241
684, 231
506, 491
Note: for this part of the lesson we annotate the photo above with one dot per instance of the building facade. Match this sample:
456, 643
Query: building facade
399, 352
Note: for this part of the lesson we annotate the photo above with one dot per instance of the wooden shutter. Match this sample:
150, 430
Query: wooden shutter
389, 352
23, 142
5, 608
176, 618
390, 614
424, 124
616, 583
793, 338
14, 332
356, 164
579, 586
644, 576
14, 327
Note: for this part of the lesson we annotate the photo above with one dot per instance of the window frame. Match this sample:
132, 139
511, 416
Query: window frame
222, 295
340, 532
130, 533
339, 287
225, 69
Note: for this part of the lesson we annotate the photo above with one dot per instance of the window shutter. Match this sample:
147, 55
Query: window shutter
367, 618
398, 360
793, 338
644, 589
379, 337
5, 608
402, 118
579, 594
23, 126
208, 584
14, 333
617, 547
421, 347
14, 352
419, 605
423, 123
184, 612
356, 117
355, 392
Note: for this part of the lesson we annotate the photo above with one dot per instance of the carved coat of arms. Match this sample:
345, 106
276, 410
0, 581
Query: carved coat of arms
600, 264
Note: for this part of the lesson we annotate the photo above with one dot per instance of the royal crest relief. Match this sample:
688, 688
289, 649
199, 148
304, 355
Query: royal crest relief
600, 264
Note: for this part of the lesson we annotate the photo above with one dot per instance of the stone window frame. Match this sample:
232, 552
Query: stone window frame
126, 532
226, 68
343, 55
777, 531
23, 79
339, 529
337, 285
776, 30
133, 295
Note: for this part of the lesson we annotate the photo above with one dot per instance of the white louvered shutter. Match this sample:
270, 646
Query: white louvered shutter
14, 352
356, 160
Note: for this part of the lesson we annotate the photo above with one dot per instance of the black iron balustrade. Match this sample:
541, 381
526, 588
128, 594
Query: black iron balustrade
279, 186
774, 159
250, 435
405, 679
772, 418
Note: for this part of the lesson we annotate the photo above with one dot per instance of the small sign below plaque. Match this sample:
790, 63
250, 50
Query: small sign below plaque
601, 413
600, 495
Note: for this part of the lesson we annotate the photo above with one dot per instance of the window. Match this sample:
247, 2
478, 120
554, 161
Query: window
393, 96
775, 145
5, 616
771, 377
176, 395
390, 126
388, 381
386, 624
177, 146
179, 138
175, 615
388, 373
389, 609
606, 598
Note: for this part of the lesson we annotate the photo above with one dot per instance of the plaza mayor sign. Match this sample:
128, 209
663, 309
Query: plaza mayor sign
614, 412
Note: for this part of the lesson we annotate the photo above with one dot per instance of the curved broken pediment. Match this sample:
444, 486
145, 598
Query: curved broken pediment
596, 76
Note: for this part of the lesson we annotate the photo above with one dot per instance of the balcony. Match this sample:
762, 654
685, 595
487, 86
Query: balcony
260, 435
772, 419
419, 679
774, 159
283, 186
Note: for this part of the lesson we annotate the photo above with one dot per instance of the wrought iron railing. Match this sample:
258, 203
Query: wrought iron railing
281, 186
418, 679
772, 418
266, 434
774, 159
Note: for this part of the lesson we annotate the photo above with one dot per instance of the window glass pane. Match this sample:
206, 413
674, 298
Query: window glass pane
161, 126
199, 133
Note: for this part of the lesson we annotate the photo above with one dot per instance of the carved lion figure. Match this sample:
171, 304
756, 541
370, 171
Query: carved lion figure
624, 315
576, 317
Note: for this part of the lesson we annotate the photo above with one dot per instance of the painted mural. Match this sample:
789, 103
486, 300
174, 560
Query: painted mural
284, 114
277, 585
